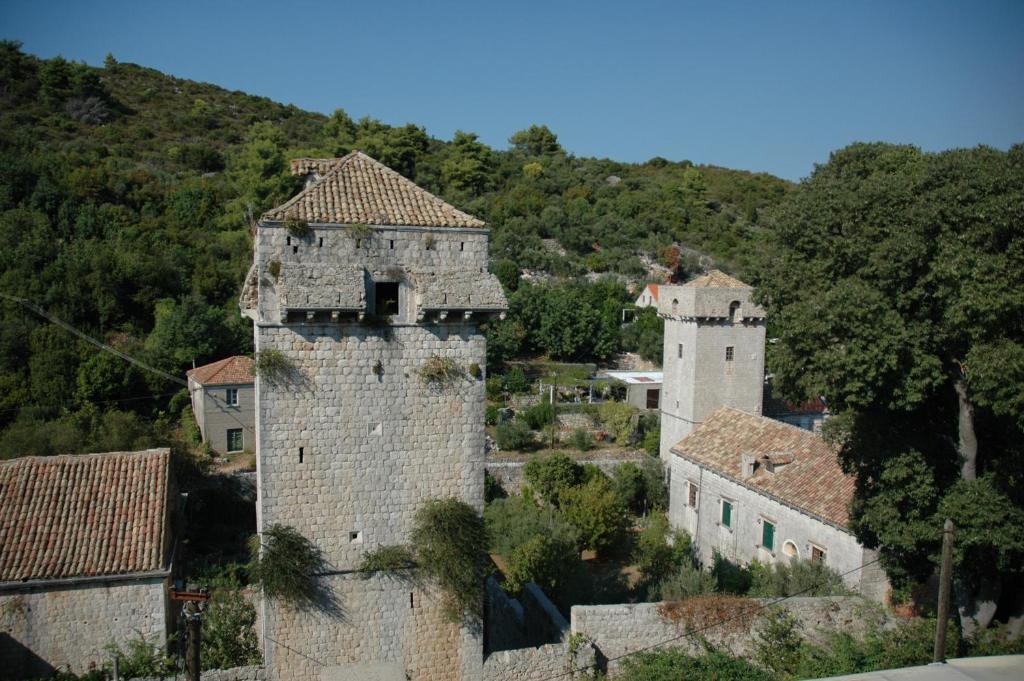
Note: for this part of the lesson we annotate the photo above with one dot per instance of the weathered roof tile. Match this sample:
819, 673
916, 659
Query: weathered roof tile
237, 370
83, 515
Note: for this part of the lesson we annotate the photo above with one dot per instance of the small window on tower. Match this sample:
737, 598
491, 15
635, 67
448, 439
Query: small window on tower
385, 295
730, 352
680, 351
462, 245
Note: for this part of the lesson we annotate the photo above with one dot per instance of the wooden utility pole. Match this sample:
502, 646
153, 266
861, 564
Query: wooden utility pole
194, 629
945, 586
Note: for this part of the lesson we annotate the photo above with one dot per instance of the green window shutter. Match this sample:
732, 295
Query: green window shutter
767, 535
727, 514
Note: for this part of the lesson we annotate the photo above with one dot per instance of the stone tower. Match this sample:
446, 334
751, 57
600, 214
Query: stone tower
358, 281
713, 353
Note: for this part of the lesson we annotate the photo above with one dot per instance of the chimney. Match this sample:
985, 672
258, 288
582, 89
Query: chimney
748, 465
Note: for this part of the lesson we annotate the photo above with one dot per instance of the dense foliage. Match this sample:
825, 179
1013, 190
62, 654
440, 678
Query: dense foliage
285, 564
449, 541
896, 289
127, 196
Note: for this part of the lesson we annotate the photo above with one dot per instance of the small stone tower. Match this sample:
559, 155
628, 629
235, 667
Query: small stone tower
359, 281
713, 353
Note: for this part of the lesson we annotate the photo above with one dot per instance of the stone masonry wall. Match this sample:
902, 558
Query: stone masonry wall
347, 457
617, 630
68, 627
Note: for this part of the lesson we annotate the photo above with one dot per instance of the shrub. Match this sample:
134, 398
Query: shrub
730, 577
492, 488
493, 388
596, 511
778, 644
274, 268
674, 664
617, 419
273, 365
450, 543
283, 563
996, 640
655, 556
513, 435
539, 415
491, 415
297, 228
142, 658
799, 577
652, 442
516, 381
229, 634
686, 582
581, 440
628, 481
547, 561
439, 371
552, 475
475, 371
513, 521
392, 558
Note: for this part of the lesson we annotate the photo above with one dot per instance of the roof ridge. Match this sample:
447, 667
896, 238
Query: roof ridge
64, 458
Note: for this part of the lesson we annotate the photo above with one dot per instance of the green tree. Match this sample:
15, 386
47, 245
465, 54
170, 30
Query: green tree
468, 164
537, 140
912, 330
450, 543
544, 560
553, 476
597, 512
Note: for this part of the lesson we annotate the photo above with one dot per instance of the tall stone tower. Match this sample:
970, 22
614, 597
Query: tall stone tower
358, 281
713, 353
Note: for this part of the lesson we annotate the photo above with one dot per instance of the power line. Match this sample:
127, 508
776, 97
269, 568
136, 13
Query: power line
691, 632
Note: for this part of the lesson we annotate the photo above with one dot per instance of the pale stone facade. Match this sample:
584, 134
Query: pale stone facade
68, 627
216, 416
353, 441
713, 353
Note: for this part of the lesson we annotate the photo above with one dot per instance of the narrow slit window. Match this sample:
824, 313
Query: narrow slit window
462, 245
679, 351
302, 451
288, 241
359, 243
391, 244
411, 604
320, 243
295, 249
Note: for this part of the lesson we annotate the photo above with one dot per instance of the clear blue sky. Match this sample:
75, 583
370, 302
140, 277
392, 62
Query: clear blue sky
762, 85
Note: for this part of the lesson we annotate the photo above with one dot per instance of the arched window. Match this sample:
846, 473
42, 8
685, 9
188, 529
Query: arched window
675, 305
734, 312
789, 548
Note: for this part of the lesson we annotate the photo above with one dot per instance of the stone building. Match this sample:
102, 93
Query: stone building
713, 353
753, 488
224, 403
359, 282
85, 558
648, 297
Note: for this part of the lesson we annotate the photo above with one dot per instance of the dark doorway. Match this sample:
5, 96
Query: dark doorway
653, 398
385, 298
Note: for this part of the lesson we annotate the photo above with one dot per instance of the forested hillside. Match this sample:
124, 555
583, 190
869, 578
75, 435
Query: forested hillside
126, 199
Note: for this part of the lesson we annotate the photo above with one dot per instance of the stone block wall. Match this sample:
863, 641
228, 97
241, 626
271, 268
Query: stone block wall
347, 454
617, 630
69, 627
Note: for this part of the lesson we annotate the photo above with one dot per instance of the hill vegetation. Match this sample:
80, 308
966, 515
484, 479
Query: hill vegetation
127, 196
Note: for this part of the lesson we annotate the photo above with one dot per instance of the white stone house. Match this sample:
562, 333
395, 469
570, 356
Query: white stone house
753, 488
360, 281
648, 297
224, 403
85, 558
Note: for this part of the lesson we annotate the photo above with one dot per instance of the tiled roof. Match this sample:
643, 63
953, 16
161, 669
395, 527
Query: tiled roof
83, 515
231, 371
653, 288
319, 166
360, 190
716, 279
813, 482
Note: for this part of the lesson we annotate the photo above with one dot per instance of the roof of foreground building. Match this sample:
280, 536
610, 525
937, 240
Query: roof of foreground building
85, 515
356, 189
796, 467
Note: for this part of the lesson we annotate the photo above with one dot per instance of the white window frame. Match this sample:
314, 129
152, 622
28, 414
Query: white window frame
231, 396
732, 513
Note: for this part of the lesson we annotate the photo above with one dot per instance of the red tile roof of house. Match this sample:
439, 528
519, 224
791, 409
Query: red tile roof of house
237, 370
653, 288
813, 481
83, 515
357, 189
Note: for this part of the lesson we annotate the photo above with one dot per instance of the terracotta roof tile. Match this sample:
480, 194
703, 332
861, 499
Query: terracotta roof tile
716, 279
237, 370
810, 479
83, 515
360, 190
654, 290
